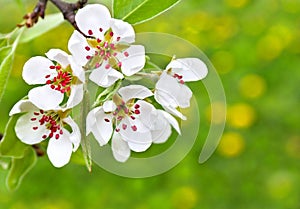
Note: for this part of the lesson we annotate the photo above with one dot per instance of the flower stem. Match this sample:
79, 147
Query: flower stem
85, 140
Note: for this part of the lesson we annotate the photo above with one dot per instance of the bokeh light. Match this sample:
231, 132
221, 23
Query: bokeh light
232, 144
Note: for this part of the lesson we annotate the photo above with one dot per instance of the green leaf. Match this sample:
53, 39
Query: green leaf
3, 42
44, 25
4, 52
138, 11
10, 145
19, 168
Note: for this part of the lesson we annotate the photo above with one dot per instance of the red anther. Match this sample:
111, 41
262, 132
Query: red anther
136, 106
119, 118
51, 135
44, 136
181, 81
107, 66
124, 126
52, 86
52, 67
98, 40
96, 53
42, 111
57, 136
58, 67
61, 131
33, 119
126, 54
35, 128
117, 129
97, 65
87, 48
90, 32
120, 64
118, 38
88, 57
137, 111
106, 120
132, 117
115, 53
134, 128
47, 76
111, 34
100, 29
48, 82
36, 113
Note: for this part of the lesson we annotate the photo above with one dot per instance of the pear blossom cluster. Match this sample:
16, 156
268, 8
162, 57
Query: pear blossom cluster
130, 117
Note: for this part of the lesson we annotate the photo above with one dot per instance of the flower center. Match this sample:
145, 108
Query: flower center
124, 110
106, 49
51, 120
179, 78
62, 81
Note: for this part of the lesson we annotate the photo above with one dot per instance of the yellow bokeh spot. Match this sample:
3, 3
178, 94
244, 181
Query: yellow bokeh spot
231, 144
224, 28
216, 113
223, 61
184, 198
236, 3
269, 47
241, 115
252, 86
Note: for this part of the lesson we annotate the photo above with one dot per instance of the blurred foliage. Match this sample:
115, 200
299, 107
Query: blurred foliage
255, 46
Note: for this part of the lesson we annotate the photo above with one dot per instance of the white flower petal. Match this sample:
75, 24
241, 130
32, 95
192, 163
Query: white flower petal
171, 120
59, 56
91, 120
120, 148
139, 147
105, 77
170, 92
161, 135
76, 95
146, 111
36, 69
141, 135
26, 133
101, 128
109, 106
123, 30
77, 69
134, 91
93, 17
59, 150
45, 98
75, 136
76, 45
174, 111
192, 69
22, 106
135, 60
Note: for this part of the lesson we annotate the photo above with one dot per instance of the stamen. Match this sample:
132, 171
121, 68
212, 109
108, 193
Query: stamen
118, 38
88, 57
52, 67
35, 128
181, 81
33, 119
111, 34
100, 29
90, 32
47, 76
134, 128
87, 48
126, 54
137, 112
107, 66
124, 126
117, 129
136, 106
132, 117
106, 120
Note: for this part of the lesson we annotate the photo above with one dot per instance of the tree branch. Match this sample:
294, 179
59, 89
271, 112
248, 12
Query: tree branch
67, 9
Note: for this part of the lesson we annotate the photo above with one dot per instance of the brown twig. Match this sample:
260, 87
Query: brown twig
67, 9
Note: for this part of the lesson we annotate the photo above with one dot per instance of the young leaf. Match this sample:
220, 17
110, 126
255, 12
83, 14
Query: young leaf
4, 52
19, 168
44, 25
10, 145
6, 64
138, 11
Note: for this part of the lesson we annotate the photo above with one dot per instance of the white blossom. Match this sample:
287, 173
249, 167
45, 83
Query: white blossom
171, 91
61, 78
132, 123
107, 46
36, 125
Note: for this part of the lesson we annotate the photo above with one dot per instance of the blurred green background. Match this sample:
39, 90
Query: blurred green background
255, 47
